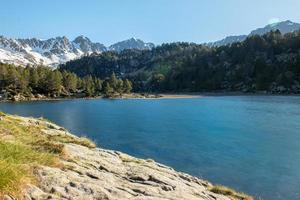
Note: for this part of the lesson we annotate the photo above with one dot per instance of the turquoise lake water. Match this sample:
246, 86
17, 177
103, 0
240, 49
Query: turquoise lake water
250, 143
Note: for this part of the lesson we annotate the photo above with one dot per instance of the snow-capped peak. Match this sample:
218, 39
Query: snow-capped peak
284, 27
53, 51
132, 43
58, 50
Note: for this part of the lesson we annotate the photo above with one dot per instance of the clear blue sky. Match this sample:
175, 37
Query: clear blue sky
157, 21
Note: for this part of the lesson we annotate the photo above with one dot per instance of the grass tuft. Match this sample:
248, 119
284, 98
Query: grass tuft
12, 178
48, 146
83, 141
220, 189
128, 159
2, 114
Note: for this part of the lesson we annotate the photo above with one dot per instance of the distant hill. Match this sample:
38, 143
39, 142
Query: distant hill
284, 27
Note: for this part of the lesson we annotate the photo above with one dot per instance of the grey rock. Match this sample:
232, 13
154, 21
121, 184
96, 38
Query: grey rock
132, 43
124, 177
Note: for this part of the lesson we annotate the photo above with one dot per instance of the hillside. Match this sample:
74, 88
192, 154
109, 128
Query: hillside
268, 63
40, 160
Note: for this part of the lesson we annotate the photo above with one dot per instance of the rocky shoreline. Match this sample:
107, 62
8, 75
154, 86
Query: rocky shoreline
87, 172
22, 98
19, 98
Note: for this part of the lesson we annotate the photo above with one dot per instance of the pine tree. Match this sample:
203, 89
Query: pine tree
12, 79
107, 89
89, 86
119, 86
54, 82
69, 81
98, 85
127, 86
3, 76
33, 78
113, 81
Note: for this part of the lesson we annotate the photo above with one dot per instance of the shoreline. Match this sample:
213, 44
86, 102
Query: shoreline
151, 96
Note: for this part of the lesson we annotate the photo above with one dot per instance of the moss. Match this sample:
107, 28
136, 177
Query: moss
234, 195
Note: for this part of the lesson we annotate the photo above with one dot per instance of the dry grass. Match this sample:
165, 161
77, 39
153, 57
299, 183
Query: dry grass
12, 179
16, 162
83, 141
2, 114
128, 159
234, 195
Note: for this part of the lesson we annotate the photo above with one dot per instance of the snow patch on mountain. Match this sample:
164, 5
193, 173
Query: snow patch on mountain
284, 27
55, 51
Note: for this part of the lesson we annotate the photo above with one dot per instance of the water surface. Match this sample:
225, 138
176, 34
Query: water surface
250, 143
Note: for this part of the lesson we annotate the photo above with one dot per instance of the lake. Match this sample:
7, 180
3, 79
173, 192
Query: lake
250, 143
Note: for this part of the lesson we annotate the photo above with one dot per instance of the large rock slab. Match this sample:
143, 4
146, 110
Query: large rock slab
103, 174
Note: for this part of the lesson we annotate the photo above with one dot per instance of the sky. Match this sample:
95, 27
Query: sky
157, 21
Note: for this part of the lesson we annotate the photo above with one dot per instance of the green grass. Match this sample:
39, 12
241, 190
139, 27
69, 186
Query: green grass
16, 162
12, 177
234, 195
20, 154
33, 135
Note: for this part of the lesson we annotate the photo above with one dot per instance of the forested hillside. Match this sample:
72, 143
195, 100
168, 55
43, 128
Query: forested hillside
260, 63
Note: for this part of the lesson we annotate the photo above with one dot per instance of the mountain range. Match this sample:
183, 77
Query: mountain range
59, 50
284, 27
55, 51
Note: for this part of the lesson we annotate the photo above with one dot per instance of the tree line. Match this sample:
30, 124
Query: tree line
31, 81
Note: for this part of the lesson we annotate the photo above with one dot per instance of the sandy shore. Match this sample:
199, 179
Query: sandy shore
160, 96
180, 96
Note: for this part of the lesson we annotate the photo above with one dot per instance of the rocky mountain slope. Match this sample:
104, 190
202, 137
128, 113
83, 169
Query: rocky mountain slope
284, 27
55, 51
85, 172
132, 43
